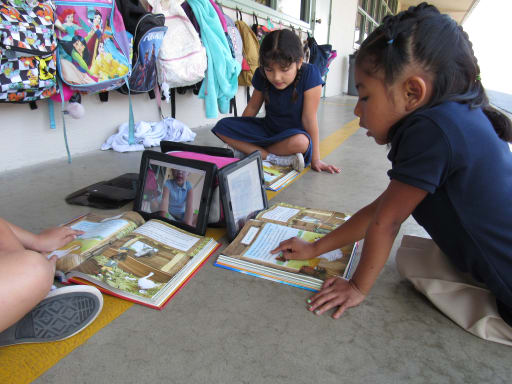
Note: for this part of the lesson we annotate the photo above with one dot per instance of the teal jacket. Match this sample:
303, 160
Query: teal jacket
220, 84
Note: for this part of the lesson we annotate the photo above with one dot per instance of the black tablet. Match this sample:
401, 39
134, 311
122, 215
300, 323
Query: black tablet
242, 192
175, 190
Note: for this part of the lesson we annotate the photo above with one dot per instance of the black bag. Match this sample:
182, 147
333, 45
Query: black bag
319, 55
109, 194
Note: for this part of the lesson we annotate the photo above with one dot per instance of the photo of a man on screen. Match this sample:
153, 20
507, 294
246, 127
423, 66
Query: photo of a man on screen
178, 198
173, 192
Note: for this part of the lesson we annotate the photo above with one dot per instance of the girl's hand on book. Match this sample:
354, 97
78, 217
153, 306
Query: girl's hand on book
295, 249
319, 166
336, 292
52, 238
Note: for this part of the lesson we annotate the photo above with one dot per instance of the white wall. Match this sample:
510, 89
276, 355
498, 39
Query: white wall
343, 20
28, 140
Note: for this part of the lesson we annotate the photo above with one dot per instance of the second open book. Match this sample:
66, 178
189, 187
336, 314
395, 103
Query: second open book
250, 251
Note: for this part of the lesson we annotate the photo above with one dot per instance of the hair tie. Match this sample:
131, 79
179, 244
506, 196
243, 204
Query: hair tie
390, 41
478, 78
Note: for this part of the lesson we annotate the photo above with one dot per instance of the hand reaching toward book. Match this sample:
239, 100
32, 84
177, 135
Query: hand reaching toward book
295, 249
336, 292
52, 238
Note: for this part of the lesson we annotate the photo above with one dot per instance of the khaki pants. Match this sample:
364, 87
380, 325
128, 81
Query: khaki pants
457, 295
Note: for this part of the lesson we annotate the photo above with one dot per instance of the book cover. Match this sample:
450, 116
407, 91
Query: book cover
250, 251
144, 262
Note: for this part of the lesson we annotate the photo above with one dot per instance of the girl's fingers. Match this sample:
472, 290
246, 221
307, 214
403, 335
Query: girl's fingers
329, 302
283, 246
341, 309
326, 296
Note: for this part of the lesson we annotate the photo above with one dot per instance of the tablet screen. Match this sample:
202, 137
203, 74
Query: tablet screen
173, 191
245, 192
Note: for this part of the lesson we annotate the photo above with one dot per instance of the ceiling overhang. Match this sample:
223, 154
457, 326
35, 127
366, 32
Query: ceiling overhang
458, 9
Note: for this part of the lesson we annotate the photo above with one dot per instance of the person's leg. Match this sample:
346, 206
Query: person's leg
25, 279
242, 146
294, 144
286, 152
468, 303
298, 143
31, 313
289, 147
61, 314
289, 151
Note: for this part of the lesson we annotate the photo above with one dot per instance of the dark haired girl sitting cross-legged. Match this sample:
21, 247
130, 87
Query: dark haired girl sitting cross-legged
291, 89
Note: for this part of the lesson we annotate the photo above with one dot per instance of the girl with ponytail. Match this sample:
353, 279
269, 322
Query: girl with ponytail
420, 93
291, 90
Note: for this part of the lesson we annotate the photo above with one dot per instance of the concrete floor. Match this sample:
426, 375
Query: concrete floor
225, 327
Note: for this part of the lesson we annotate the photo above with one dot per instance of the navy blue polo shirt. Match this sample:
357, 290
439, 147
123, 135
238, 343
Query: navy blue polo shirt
454, 154
282, 112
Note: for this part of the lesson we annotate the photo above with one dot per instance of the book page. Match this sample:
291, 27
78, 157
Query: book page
258, 238
280, 213
144, 263
309, 219
168, 235
98, 232
270, 236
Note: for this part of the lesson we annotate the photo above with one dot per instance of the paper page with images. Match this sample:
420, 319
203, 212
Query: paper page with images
98, 231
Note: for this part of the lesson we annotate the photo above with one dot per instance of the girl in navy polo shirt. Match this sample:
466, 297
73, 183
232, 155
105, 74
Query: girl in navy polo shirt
291, 90
420, 93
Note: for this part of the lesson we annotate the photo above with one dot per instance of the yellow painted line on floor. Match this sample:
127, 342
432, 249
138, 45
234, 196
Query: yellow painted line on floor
24, 363
327, 145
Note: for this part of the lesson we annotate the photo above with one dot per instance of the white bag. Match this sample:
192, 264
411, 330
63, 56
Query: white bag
182, 57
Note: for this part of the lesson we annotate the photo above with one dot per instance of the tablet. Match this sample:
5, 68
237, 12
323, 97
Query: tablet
242, 191
175, 190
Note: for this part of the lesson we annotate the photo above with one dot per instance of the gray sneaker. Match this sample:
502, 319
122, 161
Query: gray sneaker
62, 314
296, 161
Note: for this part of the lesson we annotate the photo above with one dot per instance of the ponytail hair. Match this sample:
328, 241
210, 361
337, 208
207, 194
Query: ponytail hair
423, 36
281, 46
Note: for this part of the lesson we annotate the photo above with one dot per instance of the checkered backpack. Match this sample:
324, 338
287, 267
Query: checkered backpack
27, 50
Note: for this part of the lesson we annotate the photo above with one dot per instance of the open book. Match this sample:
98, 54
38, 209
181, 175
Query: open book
276, 176
250, 251
144, 262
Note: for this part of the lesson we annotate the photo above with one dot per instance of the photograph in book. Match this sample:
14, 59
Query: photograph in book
276, 176
143, 262
251, 248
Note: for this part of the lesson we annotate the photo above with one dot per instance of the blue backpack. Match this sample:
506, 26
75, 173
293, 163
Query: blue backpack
319, 55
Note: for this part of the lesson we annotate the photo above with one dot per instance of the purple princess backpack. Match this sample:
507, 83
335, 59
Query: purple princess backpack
94, 52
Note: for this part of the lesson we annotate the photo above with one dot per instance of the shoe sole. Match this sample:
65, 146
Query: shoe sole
62, 314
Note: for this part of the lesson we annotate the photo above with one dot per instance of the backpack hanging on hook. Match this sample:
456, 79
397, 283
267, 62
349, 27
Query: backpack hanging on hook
251, 56
259, 30
27, 51
319, 55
